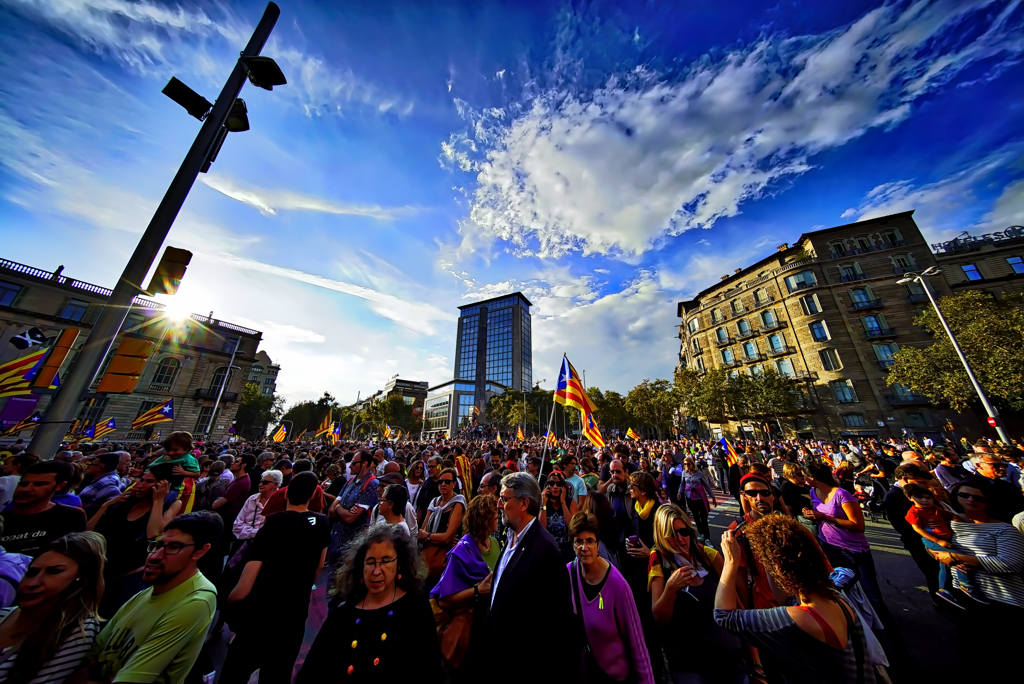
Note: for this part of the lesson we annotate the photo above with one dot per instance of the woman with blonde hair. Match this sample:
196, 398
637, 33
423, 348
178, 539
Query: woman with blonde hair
681, 579
49, 634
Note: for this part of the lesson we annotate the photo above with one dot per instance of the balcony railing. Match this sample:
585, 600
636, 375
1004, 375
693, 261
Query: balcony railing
750, 333
780, 351
878, 333
723, 341
918, 298
159, 387
802, 375
736, 313
211, 393
870, 248
803, 285
850, 277
774, 325
886, 364
764, 301
907, 399
748, 358
730, 363
868, 304
903, 269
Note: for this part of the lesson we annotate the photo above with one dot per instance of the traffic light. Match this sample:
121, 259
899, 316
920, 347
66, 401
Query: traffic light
125, 368
169, 271
59, 352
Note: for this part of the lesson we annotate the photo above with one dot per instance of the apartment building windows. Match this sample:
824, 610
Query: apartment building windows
837, 249
784, 367
885, 353
761, 296
854, 420
756, 370
850, 272
863, 243
727, 357
74, 310
166, 372
801, 280
722, 335
917, 419
699, 365
695, 345
776, 344
819, 331
1016, 263
750, 351
8, 293
743, 327
874, 324
843, 392
829, 359
902, 262
892, 238
972, 272
768, 320
694, 325
716, 316
810, 305
737, 307
803, 423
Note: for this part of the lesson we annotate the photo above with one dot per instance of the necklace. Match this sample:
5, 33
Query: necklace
383, 636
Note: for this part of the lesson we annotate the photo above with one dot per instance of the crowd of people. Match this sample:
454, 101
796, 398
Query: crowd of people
121, 563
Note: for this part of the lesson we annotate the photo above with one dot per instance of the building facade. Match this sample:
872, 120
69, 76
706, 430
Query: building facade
827, 313
191, 362
263, 373
493, 353
993, 262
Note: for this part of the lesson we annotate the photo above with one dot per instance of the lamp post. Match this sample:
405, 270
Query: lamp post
220, 391
921, 279
218, 119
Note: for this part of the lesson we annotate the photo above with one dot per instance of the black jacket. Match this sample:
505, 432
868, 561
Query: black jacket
531, 599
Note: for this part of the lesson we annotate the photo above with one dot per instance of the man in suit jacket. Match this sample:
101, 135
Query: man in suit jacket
530, 590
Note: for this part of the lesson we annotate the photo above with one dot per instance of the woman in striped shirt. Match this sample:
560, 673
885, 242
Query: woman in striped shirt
994, 551
46, 638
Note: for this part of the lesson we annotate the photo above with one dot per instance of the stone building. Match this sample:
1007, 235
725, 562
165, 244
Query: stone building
190, 362
828, 313
263, 373
993, 262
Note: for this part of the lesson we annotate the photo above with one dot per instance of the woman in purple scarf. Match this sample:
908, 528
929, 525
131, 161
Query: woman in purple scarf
466, 578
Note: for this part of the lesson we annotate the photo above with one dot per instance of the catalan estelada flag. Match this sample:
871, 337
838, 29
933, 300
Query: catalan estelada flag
519, 434
16, 376
325, 425
387, 430
569, 391
25, 424
335, 434
106, 427
592, 432
281, 433
632, 435
731, 456
549, 437
499, 438
157, 414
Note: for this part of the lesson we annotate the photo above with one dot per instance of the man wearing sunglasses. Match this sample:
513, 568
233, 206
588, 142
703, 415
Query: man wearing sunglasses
158, 634
352, 507
1006, 499
752, 583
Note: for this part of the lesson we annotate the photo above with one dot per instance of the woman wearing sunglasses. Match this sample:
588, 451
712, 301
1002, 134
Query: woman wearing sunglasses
994, 551
441, 525
557, 506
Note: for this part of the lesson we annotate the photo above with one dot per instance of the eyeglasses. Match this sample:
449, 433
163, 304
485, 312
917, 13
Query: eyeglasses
554, 483
171, 549
995, 464
584, 542
373, 563
754, 493
445, 482
683, 533
976, 497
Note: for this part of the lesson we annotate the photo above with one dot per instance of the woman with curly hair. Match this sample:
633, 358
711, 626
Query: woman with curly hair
47, 637
818, 640
384, 629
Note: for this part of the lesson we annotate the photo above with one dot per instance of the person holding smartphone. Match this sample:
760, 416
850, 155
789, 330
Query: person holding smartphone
557, 506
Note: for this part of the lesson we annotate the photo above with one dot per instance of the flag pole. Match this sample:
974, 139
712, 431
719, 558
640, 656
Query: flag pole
544, 453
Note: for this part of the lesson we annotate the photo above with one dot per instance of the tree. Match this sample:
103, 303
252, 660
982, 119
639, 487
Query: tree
610, 408
650, 403
255, 411
307, 415
991, 334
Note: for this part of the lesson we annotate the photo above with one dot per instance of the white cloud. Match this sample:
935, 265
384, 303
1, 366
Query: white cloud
271, 201
616, 170
283, 332
1008, 209
602, 271
939, 206
702, 241
416, 316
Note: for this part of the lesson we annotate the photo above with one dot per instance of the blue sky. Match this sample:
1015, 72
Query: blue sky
607, 159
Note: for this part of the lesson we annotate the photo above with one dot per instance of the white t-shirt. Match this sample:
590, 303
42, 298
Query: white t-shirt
402, 524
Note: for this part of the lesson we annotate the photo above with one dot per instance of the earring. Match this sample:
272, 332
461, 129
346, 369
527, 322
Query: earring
399, 575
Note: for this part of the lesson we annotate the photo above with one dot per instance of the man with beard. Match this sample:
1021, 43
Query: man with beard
158, 634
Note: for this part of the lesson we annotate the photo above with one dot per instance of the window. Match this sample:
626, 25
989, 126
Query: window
743, 327
737, 306
837, 249
803, 424
716, 316
971, 271
756, 370
854, 420
819, 331
268, 381
842, 391
892, 238
268, 390
218, 378
784, 367
810, 304
903, 261
166, 372
768, 319
727, 358
9, 292
408, 401
851, 271
230, 345
801, 280
885, 352
74, 310
776, 343
863, 243
145, 406
722, 335
873, 323
97, 411
902, 391
916, 419
693, 325
699, 364
203, 420
750, 350
257, 369
860, 294
829, 359
761, 296
695, 345
1016, 263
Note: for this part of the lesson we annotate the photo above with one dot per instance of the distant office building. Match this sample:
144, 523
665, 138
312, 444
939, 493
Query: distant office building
493, 353
263, 373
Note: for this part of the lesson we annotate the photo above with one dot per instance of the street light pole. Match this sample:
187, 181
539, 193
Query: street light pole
220, 392
62, 409
991, 410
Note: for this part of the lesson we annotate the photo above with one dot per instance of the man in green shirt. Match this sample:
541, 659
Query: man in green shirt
157, 635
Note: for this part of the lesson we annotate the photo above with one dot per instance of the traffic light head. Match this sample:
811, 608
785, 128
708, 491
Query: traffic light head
169, 271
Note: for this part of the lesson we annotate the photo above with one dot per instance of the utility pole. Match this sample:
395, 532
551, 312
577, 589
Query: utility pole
65, 404
220, 392
352, 432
